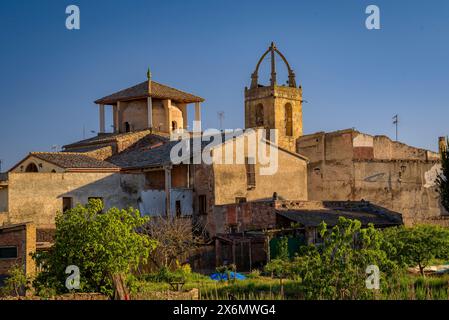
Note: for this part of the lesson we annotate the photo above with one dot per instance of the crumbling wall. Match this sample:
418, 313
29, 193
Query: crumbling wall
358, 166
243, 217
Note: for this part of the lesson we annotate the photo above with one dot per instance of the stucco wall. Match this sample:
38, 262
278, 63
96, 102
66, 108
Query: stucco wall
38, 197
290, 181
153, 202
349, 165
135, 113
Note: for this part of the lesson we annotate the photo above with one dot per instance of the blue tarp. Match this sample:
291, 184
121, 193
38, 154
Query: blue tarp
224, 276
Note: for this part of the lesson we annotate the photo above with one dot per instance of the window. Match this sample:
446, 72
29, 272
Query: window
127, 127
174, 125
250, 173
259, 115
31, 168
67, 204
288, 120
202, 205
239, 200
178, 208
8, 252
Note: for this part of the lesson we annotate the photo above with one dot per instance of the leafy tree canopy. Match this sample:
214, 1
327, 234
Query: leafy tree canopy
99, 244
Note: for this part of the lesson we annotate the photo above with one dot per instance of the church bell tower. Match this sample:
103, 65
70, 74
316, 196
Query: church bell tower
275, 106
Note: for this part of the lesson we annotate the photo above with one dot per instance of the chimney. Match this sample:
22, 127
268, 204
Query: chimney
442, 144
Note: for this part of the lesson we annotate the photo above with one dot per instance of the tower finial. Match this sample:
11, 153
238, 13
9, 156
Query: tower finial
148, 74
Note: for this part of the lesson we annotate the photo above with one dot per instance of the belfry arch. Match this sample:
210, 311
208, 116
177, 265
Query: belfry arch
275, 106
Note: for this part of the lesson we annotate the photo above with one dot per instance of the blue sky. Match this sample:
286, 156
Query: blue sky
351, 76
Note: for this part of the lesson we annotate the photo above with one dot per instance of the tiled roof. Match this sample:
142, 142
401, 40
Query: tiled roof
365, 212
111, 137
71, 160
147, 153
158, 91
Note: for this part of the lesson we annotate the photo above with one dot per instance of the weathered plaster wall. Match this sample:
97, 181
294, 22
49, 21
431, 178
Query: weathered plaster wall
153, 202
349, 165
135, 113
290, 181
38, 197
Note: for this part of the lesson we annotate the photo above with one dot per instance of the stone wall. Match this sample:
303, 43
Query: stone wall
289, 181
38, 197
349, 165
243, 217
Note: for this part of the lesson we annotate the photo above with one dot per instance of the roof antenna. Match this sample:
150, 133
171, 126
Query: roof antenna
221, 115
396, 123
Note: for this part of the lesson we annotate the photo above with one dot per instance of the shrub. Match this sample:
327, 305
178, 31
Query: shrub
99, 244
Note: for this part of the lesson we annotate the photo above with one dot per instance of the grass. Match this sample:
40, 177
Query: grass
408, 287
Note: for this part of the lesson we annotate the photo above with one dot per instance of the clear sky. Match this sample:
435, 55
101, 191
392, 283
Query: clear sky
351, 76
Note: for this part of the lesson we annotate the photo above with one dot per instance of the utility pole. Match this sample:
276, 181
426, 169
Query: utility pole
1, 160
396, 123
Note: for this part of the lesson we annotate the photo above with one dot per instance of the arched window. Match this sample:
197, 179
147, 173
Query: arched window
259, 116
127, 127
31, 168
288, 120
174, 125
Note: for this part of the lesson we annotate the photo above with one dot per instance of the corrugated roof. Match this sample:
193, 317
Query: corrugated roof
71, 160
158, 90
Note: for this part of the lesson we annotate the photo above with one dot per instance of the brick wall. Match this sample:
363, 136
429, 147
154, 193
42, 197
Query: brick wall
23, 237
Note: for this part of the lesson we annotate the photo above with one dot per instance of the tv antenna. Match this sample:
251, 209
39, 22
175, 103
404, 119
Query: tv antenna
396, 123
221, 115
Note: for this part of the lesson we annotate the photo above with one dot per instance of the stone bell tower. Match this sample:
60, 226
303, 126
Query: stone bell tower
275, 106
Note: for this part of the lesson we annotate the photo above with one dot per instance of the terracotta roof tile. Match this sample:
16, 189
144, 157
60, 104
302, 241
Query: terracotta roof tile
71, 160
158, 91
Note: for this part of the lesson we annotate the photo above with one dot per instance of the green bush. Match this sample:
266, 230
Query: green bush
99, 244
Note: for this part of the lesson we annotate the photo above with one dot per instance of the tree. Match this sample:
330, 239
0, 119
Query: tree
175, 237
418, 245
336, 269
442, 181
100, 244
17, 281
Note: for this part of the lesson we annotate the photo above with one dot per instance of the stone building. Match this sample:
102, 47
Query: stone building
346, 173
350, 165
